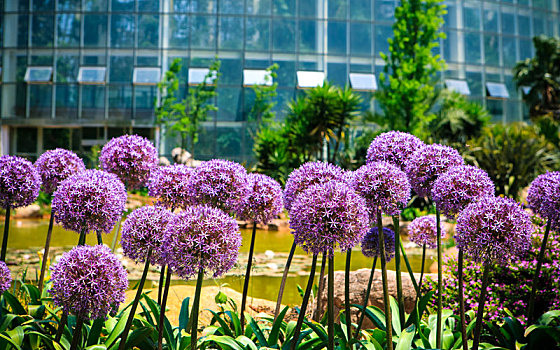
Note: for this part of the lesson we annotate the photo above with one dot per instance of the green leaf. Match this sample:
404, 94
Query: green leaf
395, 319
406, 337
117, 330
548, 317
224, 326
248, 343
257, 331
96, 347
9, 340
221, 298
17, 335
14, 303
95, 331
138, 336
275, 331
225, 342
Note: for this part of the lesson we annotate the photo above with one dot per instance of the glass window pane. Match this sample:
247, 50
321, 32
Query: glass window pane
148, 5
38, 74
229, 103
178, 31
286, 73
491, 50
232, 7
459, 86
93, 102
66, 101
121, 69
40, 101
120, 101
95, 5
284, 7
360, 9
490, 19
203, 6
539, 23
230, 28
148, 31
228, 141
23, 136
256, 77
144, 97
337, 37
308, 9
509, 51
56, 138
257, 34
69, 5
203, 34
67, 68
261, 7
337, 74
232, 71
471, 16
43, 5
337, 8
147, 61
197, 75
68, 26
382, 33
122, 30
472, 48
150, 76
385, 10
309, 79
284, 35
308, 36
508, 20
123, 5
525, 49
92, 75
364, 82
474, 79
96, 30
497, 90
360, 39
524, 23
42, 34
180, 6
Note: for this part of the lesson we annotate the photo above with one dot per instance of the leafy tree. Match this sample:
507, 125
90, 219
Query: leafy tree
411, 65
168, 89
261, 109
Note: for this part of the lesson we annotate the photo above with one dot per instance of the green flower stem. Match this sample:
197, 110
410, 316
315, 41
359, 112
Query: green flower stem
61, 325
99, 238
6, 231
162, 309
161, 283
462, 300
247, 276
301, 317
347, 315
124, 335
283, 282
366, 298
77, 337
388, 320
116, 236
408, 267
400, 297
419, 287
537, 274
319, 306
82, 239
440, 281
196, 304
482, 300
330, 304
46, 254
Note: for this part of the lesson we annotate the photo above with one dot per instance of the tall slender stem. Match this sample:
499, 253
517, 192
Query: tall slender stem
6, 231
116, 236
537, 274
99, 238
161, 284
283, 282
347, 295
194, 314
77, 337
248, 275
386, 302
82, 239
302, 311
61, 325
400, 297
124, 335
320, 289
46, 253
162, 309
408, 267
330, 303
480, 311
462, 301
366, 297
440, 281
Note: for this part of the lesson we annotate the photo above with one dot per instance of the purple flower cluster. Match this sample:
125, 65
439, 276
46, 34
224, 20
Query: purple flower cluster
19, 182
57, 165
309, 174
427, 163
264, 202
544, 197
394, 147
459, 186
92, 200
370, 243
5, 277
327, 215
201, 237
169, 184
220, 183
143, 230
130, 157
494, 229
384, 186
423, 230
89, 281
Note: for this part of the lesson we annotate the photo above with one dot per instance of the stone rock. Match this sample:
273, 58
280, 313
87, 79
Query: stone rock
164, 161
132, 204
30, 211
278, 224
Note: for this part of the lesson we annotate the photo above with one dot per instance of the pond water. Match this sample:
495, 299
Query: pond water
31, 234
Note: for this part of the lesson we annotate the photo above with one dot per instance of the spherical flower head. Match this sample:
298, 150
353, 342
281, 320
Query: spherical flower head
201, 237
130, 157
142, 231
5, 277
495, 229
544, 197
92, 200
384, 186
459, 186
220, 183
57, 165
429, 162
19, 182
394, 147
327, 216
309, 174
423, 230
169, 185
265, 200
89, 282
370, 243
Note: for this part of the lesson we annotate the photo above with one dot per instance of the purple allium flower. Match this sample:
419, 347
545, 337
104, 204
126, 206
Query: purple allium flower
394, 147
459, 186
220, 183
142, 230
382, 185
5, 277
130, 157
544, 197
309, 174
494, 228
19, 182
92, 200
423, 230
265, 200
370, 243
427, 163
201, 237
57, 165
169, 185
89, 281
327, 215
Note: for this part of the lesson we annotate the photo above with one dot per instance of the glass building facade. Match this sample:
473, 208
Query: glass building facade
75, 73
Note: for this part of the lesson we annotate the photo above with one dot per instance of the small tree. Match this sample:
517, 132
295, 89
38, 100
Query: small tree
168, 89
261, 110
